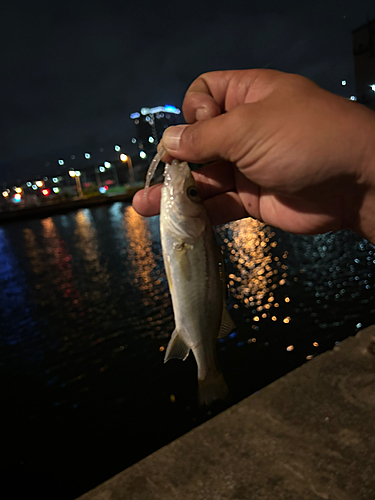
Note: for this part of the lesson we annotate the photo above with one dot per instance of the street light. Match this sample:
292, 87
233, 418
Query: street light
107, 164
125, 158
77, 174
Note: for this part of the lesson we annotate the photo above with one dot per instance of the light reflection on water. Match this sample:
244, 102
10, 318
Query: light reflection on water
250, 251
102, 270
62, 275
85, 315
147, 274
13, 295
258, 270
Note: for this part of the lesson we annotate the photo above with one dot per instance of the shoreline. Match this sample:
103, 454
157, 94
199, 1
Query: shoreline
58, 208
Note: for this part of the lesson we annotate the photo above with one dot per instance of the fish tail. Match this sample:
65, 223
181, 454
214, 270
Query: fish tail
212, 387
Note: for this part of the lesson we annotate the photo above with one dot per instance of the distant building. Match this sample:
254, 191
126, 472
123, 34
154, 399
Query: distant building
150, 124
364, 63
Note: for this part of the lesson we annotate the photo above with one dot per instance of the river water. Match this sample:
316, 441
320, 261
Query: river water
85, 317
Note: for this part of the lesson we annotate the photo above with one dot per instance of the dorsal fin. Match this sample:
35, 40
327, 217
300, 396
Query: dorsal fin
176, 348
227, 324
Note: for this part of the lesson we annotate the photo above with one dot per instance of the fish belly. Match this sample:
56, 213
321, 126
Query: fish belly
196, 291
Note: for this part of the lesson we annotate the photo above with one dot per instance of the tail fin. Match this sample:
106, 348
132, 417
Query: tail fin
212, 387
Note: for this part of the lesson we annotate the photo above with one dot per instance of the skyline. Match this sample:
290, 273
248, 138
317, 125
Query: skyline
74, 74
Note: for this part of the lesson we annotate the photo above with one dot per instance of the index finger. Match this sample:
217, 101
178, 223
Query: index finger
216, 92
202, 99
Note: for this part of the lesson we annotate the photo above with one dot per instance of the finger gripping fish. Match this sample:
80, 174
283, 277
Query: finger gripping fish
194, 268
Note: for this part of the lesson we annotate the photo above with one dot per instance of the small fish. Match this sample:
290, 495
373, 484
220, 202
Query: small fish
195, 272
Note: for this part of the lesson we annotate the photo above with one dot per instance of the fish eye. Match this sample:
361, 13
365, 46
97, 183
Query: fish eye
192, 192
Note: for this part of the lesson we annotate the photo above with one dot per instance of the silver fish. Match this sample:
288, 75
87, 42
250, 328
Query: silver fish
195, 273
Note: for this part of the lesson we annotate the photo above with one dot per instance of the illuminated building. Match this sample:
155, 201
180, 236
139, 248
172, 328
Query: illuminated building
150, 124
364, 62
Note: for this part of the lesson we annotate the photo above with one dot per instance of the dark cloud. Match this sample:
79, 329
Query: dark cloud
71, 74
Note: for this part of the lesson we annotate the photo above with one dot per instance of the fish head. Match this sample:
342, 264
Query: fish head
181, 203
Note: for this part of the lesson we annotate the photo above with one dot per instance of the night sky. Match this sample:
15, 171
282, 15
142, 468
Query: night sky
71, 73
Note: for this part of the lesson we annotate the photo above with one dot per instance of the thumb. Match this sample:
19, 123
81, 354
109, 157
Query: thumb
203, 141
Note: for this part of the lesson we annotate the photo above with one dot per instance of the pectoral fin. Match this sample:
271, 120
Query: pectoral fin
182, 258
227, 323
176, 348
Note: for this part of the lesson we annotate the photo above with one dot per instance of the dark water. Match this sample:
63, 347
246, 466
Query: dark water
85, 316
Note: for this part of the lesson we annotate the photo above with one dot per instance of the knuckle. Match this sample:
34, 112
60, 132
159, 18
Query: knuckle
192, 138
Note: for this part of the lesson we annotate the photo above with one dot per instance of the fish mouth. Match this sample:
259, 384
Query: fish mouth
175, 174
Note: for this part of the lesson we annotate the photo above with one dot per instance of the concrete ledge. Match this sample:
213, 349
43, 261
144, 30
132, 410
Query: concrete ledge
309, 435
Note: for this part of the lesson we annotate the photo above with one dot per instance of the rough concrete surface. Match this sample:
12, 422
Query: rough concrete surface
307, 436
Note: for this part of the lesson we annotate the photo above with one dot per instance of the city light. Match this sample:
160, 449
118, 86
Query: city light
17, 198
45, 192
103, 189
126, 158
145, 113
343, 82
372, 87
353, 98
171, 109
168, 108
74, 173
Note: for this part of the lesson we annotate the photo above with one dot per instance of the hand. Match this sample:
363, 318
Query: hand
282, 149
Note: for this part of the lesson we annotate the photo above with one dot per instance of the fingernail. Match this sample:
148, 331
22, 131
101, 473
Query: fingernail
172, 137
201, 114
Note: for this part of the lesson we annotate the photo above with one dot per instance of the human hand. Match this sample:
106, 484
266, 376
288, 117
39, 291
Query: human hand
282, 149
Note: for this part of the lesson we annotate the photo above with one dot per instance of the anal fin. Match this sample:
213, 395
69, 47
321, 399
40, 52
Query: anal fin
176, 348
